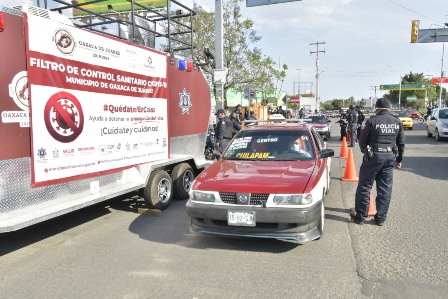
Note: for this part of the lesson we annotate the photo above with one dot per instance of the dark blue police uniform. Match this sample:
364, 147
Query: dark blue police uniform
385, 134
352, 118
223, 131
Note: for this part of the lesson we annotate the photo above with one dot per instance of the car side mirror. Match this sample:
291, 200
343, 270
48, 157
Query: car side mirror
326, 153
433, 118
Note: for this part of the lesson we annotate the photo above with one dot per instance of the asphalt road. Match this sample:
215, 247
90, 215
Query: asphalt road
110, 251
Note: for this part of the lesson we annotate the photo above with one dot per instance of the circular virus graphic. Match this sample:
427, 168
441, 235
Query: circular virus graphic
63, 117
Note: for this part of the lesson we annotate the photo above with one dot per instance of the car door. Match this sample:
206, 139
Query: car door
430, 122
322, 163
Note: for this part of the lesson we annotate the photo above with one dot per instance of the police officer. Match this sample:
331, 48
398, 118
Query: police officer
384, 133
223, 131
237, 113
352, 119
361, 118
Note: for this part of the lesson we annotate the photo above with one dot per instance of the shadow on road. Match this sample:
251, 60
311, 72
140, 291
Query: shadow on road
12, 241
173, 227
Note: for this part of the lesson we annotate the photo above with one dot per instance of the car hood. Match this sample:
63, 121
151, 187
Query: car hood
257, 176
319, 125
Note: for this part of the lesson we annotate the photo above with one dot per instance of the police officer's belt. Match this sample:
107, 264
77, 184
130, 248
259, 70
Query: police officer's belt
382, 149
227, 138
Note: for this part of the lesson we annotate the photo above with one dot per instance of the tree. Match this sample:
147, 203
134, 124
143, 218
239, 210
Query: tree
247, 65
432, 91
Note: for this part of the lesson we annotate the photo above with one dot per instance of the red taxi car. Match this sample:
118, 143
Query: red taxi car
321, 123
270, 182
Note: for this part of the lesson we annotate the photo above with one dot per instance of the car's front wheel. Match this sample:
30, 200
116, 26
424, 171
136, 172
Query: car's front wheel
437, 135
321, 223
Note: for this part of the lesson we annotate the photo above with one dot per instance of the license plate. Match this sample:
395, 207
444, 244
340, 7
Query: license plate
241, 218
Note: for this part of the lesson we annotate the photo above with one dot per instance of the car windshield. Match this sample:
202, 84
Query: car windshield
443, 114
316, 119
400, 113
272, 145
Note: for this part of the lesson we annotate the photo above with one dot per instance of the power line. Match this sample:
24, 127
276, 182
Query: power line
282, 19
308, 20
413, 11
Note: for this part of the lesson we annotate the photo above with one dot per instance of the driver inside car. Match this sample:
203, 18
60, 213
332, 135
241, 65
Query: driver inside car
299, 145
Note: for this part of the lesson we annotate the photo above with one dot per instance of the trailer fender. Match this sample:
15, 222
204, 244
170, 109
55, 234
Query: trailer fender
158, 191
182, 177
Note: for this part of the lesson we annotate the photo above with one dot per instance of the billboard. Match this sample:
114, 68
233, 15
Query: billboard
110, 6
251, 3
97, 104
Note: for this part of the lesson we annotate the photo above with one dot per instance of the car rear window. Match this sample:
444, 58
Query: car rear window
316, 119
277, 145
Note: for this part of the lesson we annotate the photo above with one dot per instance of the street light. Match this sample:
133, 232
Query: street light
299, 80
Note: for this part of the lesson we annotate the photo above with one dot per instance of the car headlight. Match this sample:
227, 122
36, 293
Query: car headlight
203, 196
445, 125
293, 199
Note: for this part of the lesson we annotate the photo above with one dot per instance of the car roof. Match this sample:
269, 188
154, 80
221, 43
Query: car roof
279, 126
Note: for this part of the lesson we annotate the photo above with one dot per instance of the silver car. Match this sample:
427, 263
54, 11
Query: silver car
437, 124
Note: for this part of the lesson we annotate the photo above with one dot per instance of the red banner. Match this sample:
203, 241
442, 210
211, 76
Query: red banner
436, 80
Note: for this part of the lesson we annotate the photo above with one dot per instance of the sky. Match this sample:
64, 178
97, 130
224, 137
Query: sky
367, 42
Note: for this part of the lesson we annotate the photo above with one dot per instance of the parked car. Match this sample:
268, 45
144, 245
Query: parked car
321, 123
404, 117
270, 182
437, 124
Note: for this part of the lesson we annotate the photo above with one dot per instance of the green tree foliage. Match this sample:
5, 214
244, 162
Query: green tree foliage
432, 90
247, 65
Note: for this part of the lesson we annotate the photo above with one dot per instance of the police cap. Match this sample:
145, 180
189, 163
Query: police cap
351, 106
221, 111
382, 103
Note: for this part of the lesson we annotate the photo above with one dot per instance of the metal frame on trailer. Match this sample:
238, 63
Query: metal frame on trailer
22, 206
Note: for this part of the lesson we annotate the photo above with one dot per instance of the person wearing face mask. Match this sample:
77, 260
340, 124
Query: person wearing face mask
299, 146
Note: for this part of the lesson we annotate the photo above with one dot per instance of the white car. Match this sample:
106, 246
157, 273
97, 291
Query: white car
437, 124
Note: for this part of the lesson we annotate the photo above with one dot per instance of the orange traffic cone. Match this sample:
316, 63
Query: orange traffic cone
350, 172
372, 208
344, 149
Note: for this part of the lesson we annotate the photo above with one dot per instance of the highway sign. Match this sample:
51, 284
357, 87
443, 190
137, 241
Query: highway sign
406, 86
251, 3
435, 35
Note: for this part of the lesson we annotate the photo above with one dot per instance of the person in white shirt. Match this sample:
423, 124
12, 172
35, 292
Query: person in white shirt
299, 145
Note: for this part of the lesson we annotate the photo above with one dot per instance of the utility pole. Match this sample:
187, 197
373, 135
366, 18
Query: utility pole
317, 70
219, 73
374, 86
371, 100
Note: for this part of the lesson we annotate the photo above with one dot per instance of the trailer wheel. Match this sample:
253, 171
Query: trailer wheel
182, 177
157, 193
